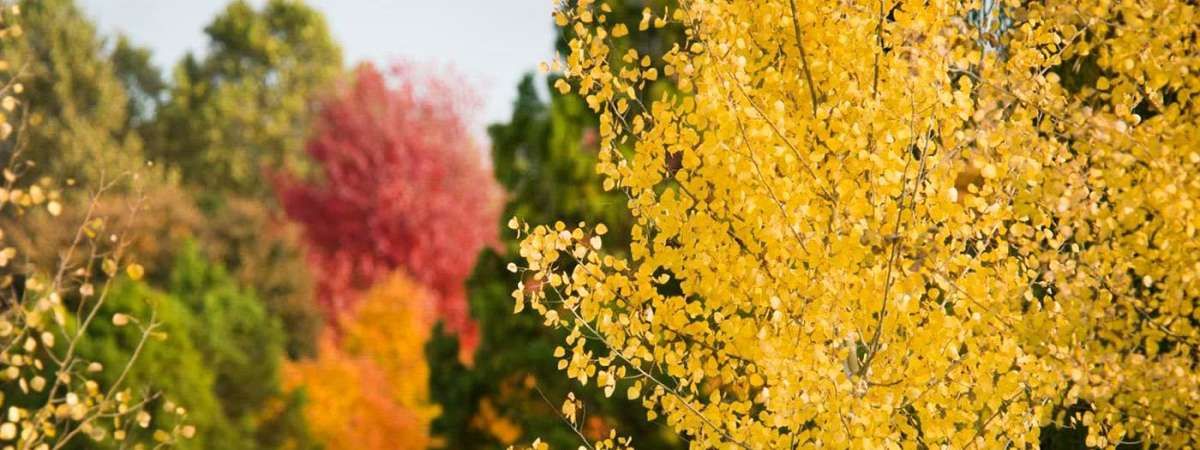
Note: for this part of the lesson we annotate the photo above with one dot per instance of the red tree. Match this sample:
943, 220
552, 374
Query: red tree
403, 186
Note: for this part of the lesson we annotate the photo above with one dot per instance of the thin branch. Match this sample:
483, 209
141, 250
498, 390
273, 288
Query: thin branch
812, 87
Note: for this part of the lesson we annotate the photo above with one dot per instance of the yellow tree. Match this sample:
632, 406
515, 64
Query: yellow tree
368, 387
890, 224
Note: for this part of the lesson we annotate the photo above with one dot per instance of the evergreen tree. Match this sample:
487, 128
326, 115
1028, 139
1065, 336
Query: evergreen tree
220, 357
143, 82
174, 364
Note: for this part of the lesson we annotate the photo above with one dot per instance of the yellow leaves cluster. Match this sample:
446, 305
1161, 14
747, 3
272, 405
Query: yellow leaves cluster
8, 102
878, 224
491, 421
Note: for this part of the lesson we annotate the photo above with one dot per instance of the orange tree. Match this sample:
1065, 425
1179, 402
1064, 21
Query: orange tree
367, 388
893, 224
403, 191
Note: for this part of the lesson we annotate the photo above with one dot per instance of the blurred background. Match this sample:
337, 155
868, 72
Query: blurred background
492, 43
317, 193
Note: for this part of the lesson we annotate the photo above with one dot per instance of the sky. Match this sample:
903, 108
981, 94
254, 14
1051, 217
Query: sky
492, 43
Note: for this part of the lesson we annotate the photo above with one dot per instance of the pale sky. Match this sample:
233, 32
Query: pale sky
491, 42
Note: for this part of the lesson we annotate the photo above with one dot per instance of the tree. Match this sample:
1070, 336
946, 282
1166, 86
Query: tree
368, 386
221, 358
55, 397
247, 104
545, 157
242, 345
263, 251
75, 104
246, 107
546, 162
403, 187
889, 226
175, 365
142, 81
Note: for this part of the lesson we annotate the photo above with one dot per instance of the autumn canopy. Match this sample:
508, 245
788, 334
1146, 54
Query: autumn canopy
705, 224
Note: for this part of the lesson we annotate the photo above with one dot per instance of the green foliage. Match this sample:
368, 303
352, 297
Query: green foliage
262, 251
143, 82
220, 358
247, 104
175, 365
242, 343
76, 105
91, 104
245, 107
548, 147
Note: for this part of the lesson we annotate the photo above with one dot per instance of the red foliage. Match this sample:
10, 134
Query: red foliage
403, 187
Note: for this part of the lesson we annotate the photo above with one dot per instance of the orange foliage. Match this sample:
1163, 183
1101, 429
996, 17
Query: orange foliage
368, 387
490, 420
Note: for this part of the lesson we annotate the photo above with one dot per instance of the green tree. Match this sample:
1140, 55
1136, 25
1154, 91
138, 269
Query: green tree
91, 104
143, 82
220, 358
247, 104
75, 105
243, 109
175, 365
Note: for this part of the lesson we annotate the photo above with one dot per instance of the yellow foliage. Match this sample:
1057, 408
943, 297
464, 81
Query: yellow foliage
891, 224
495, 424
368, 386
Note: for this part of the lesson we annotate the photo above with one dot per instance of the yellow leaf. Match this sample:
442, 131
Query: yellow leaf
135, 271
634, 391
562, 86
